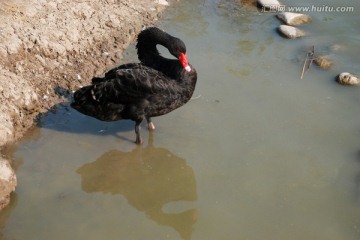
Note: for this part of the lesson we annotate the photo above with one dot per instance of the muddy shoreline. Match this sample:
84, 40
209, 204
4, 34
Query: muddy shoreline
50, 48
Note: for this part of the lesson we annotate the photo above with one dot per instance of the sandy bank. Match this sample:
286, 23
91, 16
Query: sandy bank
47, 46
51, 47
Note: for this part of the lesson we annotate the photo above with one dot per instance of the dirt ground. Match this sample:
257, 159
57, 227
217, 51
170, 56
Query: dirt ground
48, 48
51, 47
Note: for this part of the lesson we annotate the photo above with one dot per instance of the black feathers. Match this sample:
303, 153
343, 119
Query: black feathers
136, 91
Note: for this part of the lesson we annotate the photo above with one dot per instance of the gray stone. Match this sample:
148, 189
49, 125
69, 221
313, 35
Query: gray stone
294, 19
290, 32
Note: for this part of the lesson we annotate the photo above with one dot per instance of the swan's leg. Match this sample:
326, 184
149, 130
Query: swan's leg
137, 131
151, 125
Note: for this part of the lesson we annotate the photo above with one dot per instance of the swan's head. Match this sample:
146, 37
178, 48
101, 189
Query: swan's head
177, 49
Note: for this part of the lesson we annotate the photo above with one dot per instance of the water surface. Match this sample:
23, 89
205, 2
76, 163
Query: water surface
257, 154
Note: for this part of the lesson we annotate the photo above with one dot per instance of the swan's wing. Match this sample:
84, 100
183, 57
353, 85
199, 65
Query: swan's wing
133, 84
111, 74
143, 80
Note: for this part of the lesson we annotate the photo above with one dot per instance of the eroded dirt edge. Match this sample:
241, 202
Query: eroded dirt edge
50, 48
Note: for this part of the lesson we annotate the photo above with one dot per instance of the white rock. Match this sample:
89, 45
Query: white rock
6, 172
294, 19
162, 2
105, 54
7, 128
346, 78
7, 182
268, 3
290, 32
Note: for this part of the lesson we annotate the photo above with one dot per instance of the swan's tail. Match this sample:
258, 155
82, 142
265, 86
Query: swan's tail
96, 80
85, 102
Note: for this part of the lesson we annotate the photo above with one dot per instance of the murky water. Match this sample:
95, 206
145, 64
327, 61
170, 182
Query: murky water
258, 154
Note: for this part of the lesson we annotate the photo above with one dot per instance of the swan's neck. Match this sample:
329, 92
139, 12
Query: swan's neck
148, 53
146, 46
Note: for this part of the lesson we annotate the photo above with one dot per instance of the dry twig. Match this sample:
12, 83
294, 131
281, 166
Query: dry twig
309, 57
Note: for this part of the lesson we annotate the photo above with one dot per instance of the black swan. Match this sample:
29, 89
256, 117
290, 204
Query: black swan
135, 91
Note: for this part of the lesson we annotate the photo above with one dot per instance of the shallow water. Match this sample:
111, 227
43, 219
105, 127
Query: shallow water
257, 154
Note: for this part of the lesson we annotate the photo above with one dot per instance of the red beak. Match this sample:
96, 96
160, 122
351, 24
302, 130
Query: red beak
184, 62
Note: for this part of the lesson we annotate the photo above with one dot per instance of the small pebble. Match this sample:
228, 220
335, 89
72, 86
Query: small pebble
162, 2
324, 62
105, 54
346, 78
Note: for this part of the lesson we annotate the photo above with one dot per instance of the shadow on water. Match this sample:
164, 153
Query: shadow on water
63, 118
149, 178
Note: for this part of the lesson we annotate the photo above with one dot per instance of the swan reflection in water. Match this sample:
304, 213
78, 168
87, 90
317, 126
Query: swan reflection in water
149, 178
